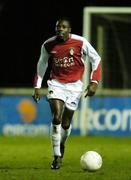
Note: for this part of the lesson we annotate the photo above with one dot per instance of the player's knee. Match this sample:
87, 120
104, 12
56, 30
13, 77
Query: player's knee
56, 119
65, 125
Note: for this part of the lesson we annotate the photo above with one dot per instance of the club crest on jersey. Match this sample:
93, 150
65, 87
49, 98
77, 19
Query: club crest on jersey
71, 51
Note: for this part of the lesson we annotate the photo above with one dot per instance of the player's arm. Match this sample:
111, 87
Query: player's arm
41, 69
95, 76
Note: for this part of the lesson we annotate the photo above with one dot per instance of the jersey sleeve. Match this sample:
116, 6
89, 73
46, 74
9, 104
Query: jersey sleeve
95, 60
41, 67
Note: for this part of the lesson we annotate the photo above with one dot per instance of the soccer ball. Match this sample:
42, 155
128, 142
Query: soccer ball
91, 161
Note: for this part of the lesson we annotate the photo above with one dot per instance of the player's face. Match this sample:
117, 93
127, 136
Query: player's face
62, 30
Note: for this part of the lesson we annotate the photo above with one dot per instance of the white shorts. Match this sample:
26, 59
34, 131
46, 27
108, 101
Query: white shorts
70, 93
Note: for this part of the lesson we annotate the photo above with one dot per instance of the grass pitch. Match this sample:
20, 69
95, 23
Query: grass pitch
29, 158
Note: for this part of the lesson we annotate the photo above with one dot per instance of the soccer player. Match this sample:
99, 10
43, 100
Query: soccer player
66, 52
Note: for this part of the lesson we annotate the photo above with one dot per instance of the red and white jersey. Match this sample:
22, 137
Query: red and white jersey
67, 60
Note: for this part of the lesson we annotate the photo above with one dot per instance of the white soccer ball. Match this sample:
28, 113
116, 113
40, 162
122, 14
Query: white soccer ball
91, 161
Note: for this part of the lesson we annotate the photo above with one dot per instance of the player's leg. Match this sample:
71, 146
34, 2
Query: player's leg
56, 109
73, 96
56, 97
65, 128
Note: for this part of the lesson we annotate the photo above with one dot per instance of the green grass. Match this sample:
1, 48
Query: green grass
29, 158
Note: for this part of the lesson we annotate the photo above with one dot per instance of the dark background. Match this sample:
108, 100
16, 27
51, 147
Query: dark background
25, 24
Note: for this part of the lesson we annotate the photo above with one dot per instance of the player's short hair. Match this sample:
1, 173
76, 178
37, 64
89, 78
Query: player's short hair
64, 18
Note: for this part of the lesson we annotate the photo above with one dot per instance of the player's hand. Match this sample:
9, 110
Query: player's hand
36, 95
91, 89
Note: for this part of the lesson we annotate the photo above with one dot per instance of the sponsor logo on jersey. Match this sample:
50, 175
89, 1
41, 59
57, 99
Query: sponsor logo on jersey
64, 62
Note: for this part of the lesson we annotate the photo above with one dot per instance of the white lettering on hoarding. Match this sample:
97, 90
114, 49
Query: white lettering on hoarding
113, 113
126, 120
113, 119
96, 119
33, 130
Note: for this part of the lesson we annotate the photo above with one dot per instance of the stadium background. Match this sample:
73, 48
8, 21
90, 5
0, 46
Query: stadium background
24, 27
